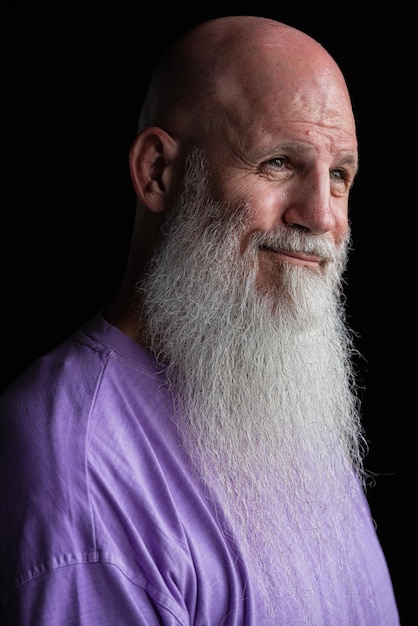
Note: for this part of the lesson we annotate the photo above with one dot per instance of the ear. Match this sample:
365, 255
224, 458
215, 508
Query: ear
152, 161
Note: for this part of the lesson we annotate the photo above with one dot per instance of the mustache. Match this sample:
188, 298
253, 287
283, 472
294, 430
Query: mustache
284, 240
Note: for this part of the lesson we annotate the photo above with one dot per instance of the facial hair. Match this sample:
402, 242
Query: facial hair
263, 384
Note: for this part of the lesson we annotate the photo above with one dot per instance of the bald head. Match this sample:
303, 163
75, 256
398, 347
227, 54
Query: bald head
237, 64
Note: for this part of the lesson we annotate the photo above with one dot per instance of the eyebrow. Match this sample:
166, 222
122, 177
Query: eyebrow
300, 147
350, 159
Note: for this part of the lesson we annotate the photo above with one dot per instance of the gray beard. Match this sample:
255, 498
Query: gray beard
262, 382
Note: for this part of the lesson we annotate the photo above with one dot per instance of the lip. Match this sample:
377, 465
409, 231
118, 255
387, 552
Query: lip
296, 258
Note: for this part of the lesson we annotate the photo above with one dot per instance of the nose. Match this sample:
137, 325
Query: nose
311, 204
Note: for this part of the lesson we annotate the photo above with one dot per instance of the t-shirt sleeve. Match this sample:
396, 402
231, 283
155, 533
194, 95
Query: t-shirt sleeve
89, 594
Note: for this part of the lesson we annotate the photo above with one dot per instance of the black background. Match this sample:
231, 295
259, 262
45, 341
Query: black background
74, 79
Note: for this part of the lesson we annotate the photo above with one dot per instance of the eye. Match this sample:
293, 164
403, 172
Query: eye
276, 166
341, 180
277, 162
338, 175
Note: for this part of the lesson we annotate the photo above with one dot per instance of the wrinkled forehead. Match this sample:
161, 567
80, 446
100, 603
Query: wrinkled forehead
277, 81
275, 96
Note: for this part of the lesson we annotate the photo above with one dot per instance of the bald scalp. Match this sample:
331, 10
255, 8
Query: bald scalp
212, 62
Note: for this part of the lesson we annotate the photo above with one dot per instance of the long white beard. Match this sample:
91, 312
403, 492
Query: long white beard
263, 384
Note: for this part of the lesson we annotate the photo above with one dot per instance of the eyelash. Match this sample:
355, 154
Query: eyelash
342, 173
273, 161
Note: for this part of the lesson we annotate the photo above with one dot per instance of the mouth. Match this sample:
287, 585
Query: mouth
293, 257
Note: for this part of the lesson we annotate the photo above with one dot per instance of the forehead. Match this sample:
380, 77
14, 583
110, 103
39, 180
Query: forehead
274, 103
256, 133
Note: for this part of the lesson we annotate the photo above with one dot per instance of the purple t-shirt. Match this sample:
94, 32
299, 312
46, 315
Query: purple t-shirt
102, 519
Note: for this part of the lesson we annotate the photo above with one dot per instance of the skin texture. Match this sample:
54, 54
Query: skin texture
270, 109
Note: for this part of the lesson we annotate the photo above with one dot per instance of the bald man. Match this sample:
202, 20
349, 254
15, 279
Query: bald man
194, 453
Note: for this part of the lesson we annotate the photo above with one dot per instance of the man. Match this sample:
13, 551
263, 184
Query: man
193, 455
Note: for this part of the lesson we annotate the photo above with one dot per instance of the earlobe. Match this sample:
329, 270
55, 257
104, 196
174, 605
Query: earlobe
151, 159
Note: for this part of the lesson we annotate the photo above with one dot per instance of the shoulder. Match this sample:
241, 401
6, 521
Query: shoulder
98, 487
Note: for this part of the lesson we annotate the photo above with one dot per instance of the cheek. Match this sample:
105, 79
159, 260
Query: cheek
265, 213
341, 228
262, 206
